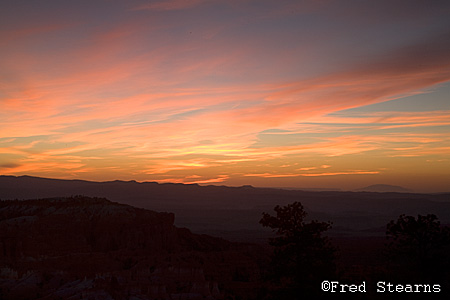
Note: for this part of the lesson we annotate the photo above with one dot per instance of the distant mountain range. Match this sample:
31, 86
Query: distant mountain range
384, 188
234, 212
308, 189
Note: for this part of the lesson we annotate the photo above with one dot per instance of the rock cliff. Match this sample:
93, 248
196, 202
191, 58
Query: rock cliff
96, 249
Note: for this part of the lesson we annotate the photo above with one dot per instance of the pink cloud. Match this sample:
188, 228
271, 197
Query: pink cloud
134, 92
12, 35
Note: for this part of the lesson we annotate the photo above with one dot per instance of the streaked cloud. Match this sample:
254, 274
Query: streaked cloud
160, 92
170, 4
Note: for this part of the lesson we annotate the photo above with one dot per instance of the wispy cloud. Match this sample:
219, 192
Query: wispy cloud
352, 172
170, 5
188, 180
240, 91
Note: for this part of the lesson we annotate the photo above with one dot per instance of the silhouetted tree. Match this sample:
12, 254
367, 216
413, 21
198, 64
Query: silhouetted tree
302, 257
420, 243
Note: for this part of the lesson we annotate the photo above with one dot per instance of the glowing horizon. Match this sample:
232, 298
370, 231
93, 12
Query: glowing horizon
268, 93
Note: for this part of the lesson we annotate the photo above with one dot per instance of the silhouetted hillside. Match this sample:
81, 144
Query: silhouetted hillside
234, 212
79, 224
89, 247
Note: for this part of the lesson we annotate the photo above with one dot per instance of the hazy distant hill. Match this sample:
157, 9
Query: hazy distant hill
384, 188
309, 189
234, 212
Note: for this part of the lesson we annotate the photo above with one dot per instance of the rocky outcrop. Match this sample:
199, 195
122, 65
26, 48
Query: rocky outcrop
96, 249
52, 227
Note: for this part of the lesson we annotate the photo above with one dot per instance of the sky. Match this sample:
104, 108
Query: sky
318, 94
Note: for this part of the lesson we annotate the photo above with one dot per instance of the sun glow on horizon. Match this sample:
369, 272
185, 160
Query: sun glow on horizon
283, 93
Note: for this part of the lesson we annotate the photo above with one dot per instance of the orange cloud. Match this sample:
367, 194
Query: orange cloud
145, 96
269, 175
307, 169
220, 178
341, 173
352, 172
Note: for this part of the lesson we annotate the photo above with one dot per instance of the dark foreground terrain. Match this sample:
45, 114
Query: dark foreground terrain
234, 212
91, 248
87, 247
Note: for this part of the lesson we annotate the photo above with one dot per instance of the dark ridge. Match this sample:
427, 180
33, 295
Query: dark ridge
234, 212
65, 247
